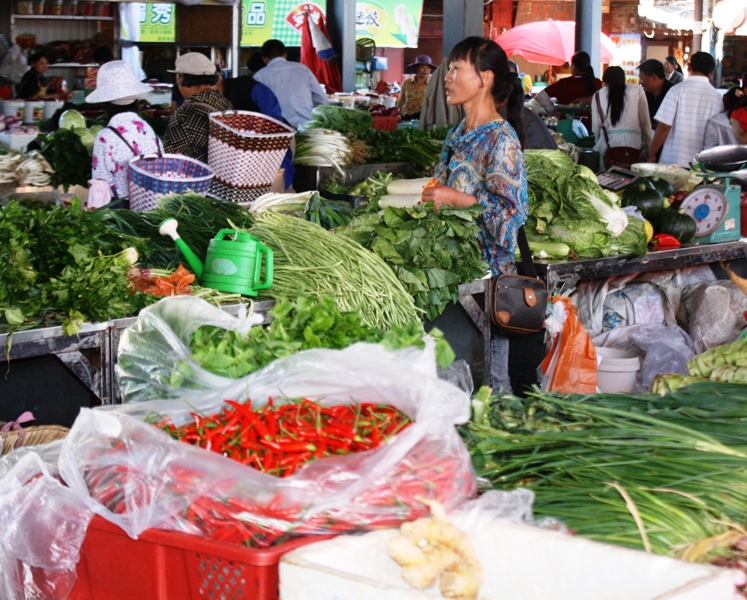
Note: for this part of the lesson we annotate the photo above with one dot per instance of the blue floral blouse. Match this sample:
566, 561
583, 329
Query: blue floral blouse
487, 163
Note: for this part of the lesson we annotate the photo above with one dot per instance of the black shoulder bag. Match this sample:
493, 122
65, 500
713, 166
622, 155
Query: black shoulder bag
518, 302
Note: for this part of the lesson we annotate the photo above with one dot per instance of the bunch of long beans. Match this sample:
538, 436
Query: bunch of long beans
200, 219
311, 260
651, 472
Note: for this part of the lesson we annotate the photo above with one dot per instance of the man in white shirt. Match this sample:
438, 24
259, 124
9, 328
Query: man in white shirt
295, 86
685, 112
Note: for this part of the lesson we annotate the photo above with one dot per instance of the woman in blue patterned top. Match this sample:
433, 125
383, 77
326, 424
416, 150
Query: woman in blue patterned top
482, 160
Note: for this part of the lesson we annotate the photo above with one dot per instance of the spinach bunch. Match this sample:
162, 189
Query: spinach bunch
431, 251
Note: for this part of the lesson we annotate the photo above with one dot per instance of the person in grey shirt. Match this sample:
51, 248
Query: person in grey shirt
537, 135
295, 86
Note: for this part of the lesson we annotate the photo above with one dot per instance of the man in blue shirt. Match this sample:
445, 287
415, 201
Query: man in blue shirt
295, 86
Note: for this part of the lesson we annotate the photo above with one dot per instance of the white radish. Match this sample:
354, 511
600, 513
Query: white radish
407, 186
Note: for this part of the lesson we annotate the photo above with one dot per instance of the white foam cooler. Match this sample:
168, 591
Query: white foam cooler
521, 562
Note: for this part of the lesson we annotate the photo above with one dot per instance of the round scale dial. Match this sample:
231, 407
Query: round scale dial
708, 206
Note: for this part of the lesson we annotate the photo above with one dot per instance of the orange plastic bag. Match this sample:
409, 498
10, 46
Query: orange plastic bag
177, 284
571, 365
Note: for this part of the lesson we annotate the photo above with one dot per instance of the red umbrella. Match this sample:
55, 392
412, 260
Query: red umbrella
548, 42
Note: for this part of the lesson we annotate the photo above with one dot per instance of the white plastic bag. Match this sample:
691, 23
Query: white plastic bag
42, 527
136, 476
14, 65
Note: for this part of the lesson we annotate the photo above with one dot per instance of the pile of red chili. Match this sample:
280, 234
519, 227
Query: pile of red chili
279, 439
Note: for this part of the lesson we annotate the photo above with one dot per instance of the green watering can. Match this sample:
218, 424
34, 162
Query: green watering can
234, 260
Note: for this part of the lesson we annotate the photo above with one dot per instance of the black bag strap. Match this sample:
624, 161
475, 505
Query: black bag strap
526, 254
121, 137
601, 120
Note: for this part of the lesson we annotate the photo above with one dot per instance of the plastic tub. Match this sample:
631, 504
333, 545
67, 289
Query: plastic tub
617, 370
51, 107
33, 111
14, 108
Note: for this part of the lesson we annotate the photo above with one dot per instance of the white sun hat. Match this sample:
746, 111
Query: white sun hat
116, 81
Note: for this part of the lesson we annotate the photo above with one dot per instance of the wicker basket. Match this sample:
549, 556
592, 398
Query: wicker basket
32, 436
156, 175
246, 150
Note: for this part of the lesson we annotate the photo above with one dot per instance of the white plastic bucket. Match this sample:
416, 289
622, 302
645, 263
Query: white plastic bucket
14, 108
389, 101
51, 107
33, 111
617, 370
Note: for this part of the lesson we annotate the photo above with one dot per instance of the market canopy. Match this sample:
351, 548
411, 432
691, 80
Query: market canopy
548, 42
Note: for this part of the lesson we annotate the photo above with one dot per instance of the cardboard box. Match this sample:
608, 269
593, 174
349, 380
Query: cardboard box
86, 72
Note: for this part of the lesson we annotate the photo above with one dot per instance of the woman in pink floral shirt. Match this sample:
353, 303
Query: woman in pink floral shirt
126, 135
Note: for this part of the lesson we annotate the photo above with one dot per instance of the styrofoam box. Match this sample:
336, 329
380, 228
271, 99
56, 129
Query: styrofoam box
17, 141
521, 562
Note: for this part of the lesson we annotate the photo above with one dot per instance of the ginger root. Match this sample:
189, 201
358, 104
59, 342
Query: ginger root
432, 549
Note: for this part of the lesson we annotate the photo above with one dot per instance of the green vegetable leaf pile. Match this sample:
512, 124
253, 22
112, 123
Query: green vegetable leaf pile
567, 204
62, 266
300, 325
69, 158
431, 251
405, 145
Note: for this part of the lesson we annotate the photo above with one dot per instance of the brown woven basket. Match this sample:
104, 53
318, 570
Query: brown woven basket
32, 436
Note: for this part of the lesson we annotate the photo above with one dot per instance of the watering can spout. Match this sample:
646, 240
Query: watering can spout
168, 227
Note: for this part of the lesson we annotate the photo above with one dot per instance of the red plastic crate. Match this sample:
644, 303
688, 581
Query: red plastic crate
162, 565
386, 123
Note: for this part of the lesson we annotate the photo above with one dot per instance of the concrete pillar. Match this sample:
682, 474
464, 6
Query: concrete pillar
589, 30
341, 27
462, 18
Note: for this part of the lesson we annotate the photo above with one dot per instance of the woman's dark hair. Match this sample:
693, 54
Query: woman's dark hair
582, 62
112, 109
485, 55
195, 80
35, 57
614, 77
732, 102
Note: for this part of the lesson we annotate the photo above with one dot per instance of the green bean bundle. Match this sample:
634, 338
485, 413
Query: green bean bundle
311, 260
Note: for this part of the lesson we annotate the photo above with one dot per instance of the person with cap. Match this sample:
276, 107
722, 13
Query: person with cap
412, 95
294, 84
126, 135
188, 129
673, 70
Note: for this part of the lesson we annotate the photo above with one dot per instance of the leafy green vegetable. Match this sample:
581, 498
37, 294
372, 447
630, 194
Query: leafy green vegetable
68, 156
431, 251
342, 120
300, 325
63, 266
567, 204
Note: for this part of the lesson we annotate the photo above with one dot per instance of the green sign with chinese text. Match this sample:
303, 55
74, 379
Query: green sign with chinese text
157, 22
282, 20
390, 23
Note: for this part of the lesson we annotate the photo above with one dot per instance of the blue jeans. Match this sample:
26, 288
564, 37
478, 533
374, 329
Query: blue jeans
499, 369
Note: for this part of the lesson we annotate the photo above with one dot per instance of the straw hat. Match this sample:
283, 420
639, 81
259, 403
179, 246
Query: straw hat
116, 82
423, 59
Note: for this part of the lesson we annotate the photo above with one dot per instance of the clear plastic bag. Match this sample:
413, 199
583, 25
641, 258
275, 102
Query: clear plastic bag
154, 358
14, 64
713, 313
42, 527
138, 477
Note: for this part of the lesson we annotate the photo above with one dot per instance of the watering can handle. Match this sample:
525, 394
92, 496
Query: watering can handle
263, 250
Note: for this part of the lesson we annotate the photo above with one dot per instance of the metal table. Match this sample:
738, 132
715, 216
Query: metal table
570, 272
93, 372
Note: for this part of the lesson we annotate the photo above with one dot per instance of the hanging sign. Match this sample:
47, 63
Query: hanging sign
390, 23
629, 56
157, 22
262, 20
